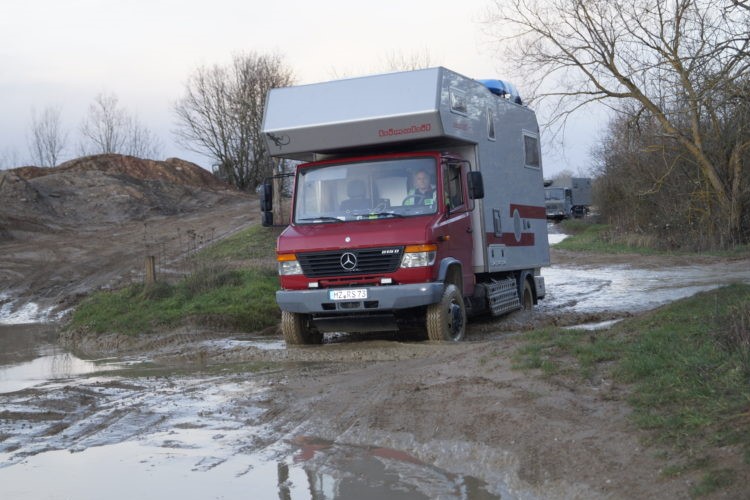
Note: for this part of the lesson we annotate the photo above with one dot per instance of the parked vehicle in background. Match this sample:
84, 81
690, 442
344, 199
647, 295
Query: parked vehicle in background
392, 227
570, 197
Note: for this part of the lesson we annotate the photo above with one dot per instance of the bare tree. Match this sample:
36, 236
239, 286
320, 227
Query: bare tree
221, 113
108, 128
47, 141
104, 127
399, 61
141, 142
683, 62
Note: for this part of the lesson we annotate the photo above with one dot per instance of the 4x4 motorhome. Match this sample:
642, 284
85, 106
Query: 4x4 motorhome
421, 202
570, 197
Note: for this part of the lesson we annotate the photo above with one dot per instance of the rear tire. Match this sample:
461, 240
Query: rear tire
527, 296
446, 320
296, 331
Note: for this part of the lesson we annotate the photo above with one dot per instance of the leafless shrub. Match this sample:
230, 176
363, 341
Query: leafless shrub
108, 128
47, 140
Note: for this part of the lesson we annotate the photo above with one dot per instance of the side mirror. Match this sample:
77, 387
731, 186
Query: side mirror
475, 185
266, 204
266, 219
266, 197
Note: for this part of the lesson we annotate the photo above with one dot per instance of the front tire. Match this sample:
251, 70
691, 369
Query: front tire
446, 320
296, 331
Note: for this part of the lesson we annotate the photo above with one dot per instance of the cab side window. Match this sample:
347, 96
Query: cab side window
453, 185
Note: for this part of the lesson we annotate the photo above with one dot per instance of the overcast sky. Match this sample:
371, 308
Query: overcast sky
65, 52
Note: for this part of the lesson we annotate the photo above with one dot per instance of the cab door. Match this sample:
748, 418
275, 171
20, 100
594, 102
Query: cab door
454, 230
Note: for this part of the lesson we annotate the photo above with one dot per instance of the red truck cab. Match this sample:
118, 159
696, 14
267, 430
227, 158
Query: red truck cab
365, 247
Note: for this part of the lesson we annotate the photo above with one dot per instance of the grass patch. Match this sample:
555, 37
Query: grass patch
256, 242
713, 481
240, 299
558, 351
585, 235
222, 291
591, 237
687, 365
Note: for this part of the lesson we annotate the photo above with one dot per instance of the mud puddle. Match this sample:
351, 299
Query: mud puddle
554, 235
14, 313
162, 466
625, 289
190, 436
30, 356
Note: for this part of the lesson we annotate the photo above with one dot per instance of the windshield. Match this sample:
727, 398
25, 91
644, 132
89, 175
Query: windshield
554, 194
401, 187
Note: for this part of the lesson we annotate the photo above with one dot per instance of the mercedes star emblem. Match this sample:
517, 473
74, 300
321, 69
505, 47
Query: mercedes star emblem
348, 261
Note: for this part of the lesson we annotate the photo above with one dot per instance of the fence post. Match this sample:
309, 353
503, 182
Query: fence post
150, 270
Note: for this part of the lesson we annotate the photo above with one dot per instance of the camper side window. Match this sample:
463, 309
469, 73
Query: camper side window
531, 149
490, 124
458, 102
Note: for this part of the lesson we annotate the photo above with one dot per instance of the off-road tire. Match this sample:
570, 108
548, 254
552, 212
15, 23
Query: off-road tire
295, 330
527, 296
446, 320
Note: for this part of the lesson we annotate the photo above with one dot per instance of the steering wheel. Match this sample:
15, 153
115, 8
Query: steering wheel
418, 199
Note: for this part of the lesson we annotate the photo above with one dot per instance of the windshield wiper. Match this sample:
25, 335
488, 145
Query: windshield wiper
386, 214
322, 218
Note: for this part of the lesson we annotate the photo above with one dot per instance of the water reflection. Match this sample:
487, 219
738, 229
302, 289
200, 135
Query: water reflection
29, 356
159, 467
330, 471
49, 367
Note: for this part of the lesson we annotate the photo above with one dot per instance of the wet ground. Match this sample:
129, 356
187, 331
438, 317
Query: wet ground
140, 430
143, 427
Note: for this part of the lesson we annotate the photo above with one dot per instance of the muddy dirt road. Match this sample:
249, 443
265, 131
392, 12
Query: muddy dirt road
212, 415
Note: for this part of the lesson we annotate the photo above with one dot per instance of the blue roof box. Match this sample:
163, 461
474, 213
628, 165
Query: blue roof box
503, 89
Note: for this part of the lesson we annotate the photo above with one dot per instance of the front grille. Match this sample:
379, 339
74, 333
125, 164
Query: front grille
368, 261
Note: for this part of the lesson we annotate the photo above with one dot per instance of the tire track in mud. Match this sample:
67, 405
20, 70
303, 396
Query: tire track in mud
90, 413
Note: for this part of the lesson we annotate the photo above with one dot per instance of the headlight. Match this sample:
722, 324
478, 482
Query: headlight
288, 265
419, 256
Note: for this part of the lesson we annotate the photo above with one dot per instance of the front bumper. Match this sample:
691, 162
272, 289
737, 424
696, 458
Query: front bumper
379, 298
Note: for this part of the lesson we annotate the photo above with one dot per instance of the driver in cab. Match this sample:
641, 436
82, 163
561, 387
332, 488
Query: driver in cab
423, 192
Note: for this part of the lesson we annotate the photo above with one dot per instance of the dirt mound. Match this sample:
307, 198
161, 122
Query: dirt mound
172, 170
89, 223
103, 189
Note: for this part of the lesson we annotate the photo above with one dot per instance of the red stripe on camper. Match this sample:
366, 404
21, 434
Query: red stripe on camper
529, 211
509, 239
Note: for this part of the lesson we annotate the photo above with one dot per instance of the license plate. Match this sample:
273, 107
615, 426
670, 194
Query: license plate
348, 294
